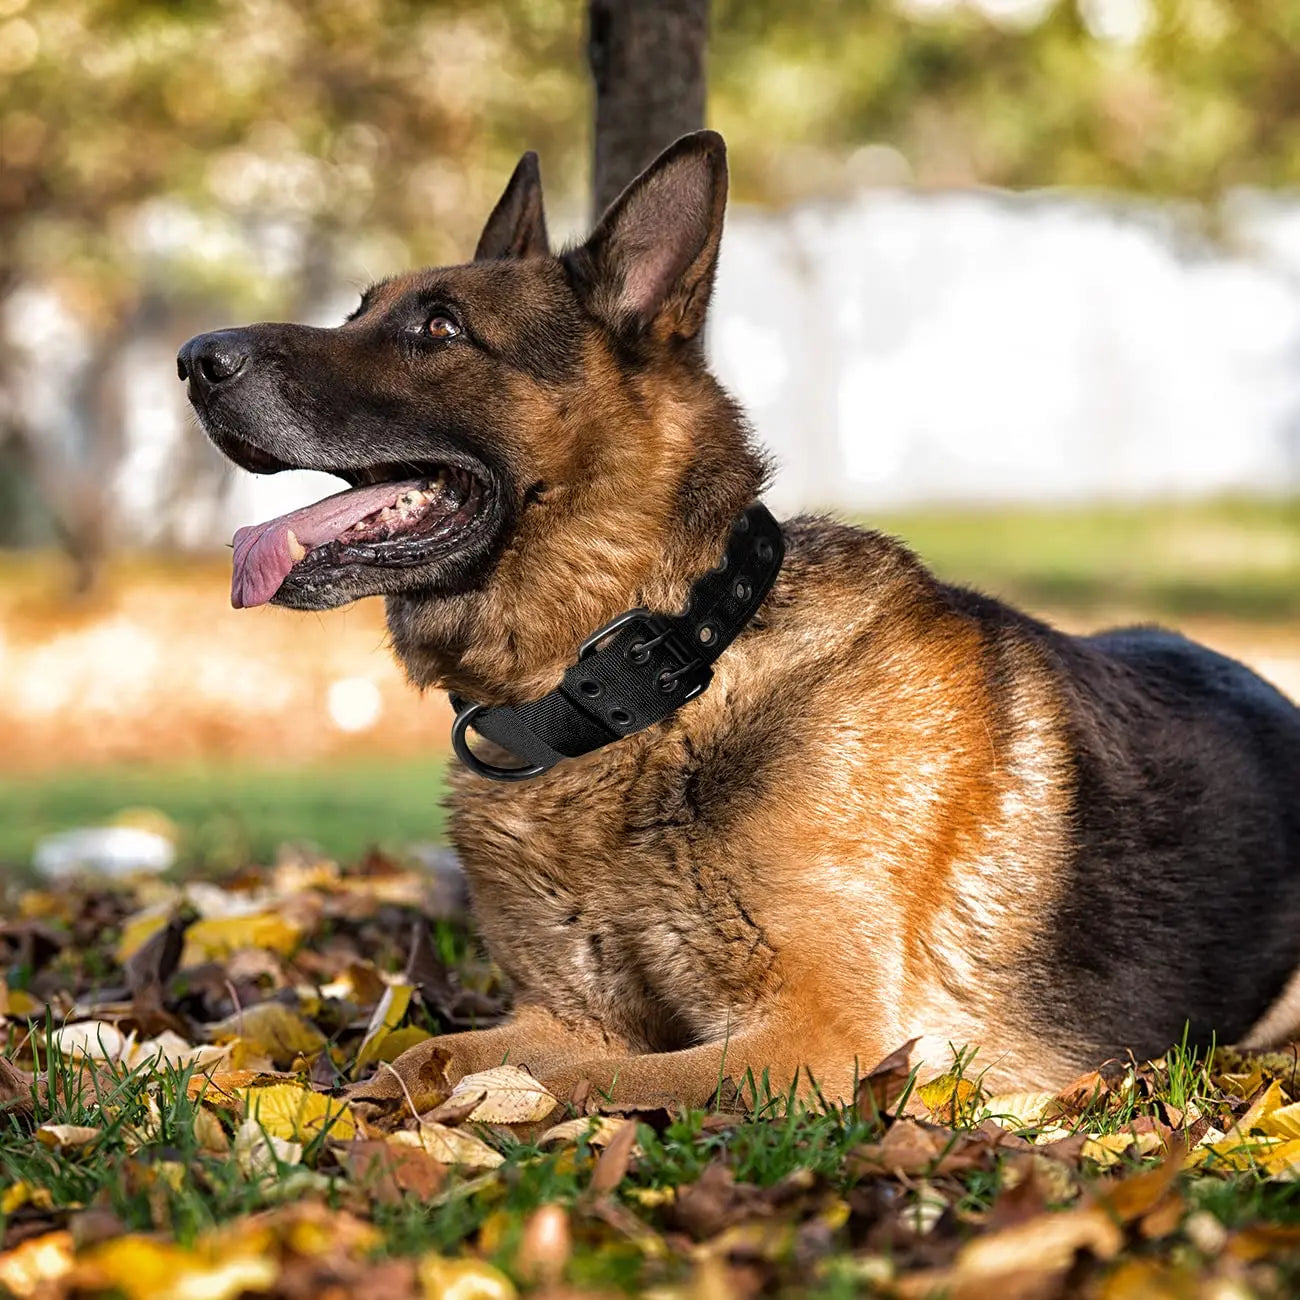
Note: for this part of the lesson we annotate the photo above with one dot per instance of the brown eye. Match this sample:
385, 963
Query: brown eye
442, 327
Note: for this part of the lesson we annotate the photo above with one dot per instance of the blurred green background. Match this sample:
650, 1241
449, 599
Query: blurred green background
164, 165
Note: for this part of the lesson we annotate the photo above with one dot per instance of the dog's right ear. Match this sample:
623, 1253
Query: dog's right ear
517, 226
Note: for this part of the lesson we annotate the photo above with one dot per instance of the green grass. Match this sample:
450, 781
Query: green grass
1235, 559
228, 815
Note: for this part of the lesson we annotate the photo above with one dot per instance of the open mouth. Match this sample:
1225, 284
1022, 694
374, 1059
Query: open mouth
382, 522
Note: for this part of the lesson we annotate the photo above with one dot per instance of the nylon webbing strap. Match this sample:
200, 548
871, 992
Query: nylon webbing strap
636, 670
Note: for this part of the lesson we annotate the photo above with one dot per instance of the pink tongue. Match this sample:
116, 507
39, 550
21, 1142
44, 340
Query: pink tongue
262, 552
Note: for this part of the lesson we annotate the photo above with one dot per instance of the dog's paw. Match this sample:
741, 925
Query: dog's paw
420, 1079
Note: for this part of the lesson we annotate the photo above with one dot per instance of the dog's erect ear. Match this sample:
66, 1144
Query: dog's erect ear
517, 226
651, 259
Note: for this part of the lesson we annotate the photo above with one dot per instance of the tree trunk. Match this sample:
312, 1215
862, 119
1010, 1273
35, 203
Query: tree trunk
647, 60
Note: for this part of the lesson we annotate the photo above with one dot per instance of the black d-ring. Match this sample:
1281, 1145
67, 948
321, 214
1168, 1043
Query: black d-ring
460, 744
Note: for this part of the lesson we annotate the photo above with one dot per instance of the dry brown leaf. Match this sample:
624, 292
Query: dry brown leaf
1046, 1243
388, 1171
545, 1245
877, 1092
510, 1096
612, 1166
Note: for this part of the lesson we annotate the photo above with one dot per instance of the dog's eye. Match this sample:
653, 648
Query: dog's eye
442, 327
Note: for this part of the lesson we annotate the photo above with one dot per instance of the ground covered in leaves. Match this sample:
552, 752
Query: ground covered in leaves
181, 1118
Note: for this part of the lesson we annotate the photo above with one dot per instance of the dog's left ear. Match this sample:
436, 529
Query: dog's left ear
517, 226
651, 260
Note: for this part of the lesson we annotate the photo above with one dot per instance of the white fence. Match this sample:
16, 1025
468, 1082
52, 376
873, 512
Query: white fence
906, 348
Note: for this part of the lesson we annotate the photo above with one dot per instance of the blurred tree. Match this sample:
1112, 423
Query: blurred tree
159, 158
647, 63
164, 163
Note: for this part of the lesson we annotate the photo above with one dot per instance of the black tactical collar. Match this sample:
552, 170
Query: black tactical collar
637, 669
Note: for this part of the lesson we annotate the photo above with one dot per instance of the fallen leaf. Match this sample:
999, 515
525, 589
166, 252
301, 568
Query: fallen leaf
15, 1086
96, 1040
877, 1092
1108, 1149
259, 1153
511, 1096
949, 1098
545, 1245
1282, 1122
388, 1171
37, 1264
1017, 1110
271, 1028
463, 1279
388, 1015
226, 1088
612, 1166
599, 1130
66, 1137
142, 1268
291, 1111
214, 938
1046, 1243
452, 1146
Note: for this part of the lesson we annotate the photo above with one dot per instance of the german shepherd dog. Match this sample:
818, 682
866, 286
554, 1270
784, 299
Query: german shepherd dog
901, 809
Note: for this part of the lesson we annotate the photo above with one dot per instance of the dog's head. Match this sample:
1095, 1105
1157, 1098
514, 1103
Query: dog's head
529, 439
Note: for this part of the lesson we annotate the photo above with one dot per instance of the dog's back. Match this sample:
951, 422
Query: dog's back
1183, 898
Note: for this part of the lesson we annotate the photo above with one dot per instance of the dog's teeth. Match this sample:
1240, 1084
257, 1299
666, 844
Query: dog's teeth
296, 549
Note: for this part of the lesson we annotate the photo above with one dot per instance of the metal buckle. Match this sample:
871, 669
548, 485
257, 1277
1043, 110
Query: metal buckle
460, 744
616, 625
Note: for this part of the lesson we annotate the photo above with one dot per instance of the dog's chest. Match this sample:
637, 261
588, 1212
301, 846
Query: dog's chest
599, 896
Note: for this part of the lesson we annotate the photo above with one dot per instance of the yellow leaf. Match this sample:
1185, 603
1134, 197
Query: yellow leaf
463, 1279
1283, 1122
1272, 1100
270, 1028
36, 1265
948, 1097
220, 936
1107, 1149
287, 1110
386, 1018
452, 1146
143, 1268
512, 1096
137, 930
21, 1193
21, 1003
66, 1137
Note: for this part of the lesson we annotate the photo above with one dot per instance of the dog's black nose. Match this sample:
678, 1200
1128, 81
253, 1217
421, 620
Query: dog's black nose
211, 359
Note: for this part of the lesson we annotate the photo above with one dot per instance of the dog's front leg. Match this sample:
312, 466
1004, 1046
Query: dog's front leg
691, 1076
533, 1037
